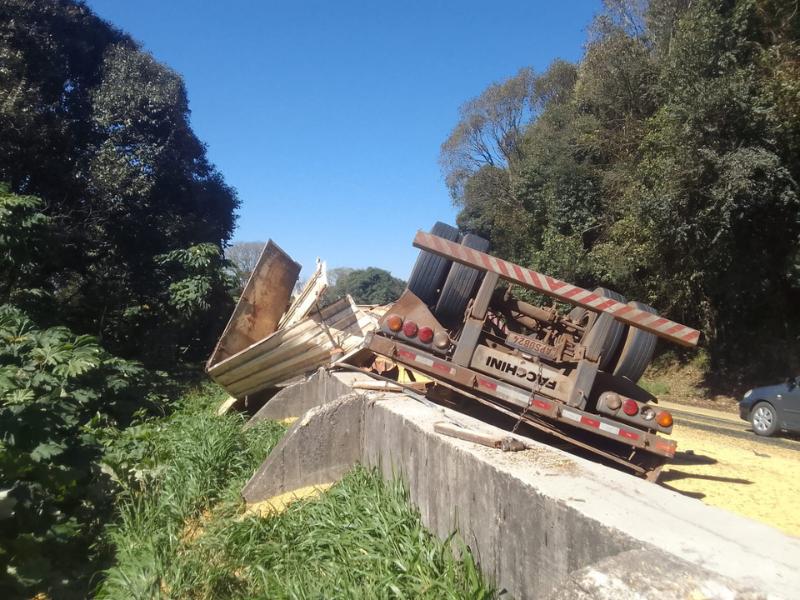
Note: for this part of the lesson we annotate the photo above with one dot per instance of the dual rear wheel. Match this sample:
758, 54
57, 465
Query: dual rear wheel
623, 351
447, 287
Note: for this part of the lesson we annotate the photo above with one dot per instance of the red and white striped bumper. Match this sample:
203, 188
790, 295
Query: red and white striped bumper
561, 290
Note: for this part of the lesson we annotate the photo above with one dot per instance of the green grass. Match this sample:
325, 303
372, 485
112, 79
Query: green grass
181, 532
654, 386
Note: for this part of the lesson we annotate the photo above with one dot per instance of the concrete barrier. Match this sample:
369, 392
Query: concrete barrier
541, 523
296, 399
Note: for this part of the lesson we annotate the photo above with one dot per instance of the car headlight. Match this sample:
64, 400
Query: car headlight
747, 394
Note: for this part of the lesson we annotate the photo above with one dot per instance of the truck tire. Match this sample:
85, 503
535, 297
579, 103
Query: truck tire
637, 350
459, 285
605, 335
430, 270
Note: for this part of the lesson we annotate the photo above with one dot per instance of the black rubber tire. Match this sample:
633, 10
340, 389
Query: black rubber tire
763, 428
459, 286
605, 335
637, 349
430, 270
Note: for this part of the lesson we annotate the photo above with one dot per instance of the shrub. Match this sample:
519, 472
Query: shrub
61, 397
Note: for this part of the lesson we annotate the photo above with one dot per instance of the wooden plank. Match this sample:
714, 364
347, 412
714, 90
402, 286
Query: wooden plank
560, 290
308, 298
261, 357
279, 337
505, 443
263, 302
317, 337
286, 362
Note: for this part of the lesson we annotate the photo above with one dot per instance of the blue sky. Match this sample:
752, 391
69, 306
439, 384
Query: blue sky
327, 117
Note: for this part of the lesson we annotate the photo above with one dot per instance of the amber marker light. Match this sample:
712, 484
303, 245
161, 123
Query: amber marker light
394, 323
664, 419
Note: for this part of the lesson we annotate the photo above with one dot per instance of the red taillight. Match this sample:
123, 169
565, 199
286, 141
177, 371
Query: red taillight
664, 419
629, 407
394, 323
425, 335
409, 329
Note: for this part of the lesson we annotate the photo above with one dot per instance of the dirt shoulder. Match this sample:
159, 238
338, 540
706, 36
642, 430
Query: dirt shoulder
720, 461
723, 464
685, 384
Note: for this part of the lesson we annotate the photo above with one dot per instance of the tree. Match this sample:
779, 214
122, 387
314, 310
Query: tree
244, 257
717, 197
61, 397
24, 232
99, 130
366, 286
488, 130
666, 165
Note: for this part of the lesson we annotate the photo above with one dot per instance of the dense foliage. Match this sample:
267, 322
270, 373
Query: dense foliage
182, 532
664, 164
366, 286
112, 223
61, 397
99, 130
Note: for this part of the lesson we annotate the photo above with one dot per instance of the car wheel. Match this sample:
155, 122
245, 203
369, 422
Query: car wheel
764, 419
430, 270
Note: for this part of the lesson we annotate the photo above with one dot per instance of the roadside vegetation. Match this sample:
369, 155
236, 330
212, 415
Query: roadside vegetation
182, 531
113, 280
664, 164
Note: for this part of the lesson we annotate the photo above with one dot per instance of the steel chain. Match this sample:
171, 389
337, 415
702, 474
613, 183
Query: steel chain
535, 391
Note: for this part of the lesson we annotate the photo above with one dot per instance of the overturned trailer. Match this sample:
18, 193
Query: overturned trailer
461, 324
566, 372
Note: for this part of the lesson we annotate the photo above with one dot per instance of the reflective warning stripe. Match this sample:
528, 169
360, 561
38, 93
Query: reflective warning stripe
512, 394
560, 289
421, 359
539, 405
506, 392
598, 424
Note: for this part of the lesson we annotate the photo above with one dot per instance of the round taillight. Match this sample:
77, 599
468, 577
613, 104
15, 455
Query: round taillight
629, 407
441, 339
664, 419
612, 400
648, 414
394, 323
425, 335
409, 329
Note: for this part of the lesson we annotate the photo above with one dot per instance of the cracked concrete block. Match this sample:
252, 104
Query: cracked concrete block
296, 399
320, 447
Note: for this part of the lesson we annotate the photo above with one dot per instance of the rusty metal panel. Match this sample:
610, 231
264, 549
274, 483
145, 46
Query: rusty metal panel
675, 332
310, 343
263, 302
